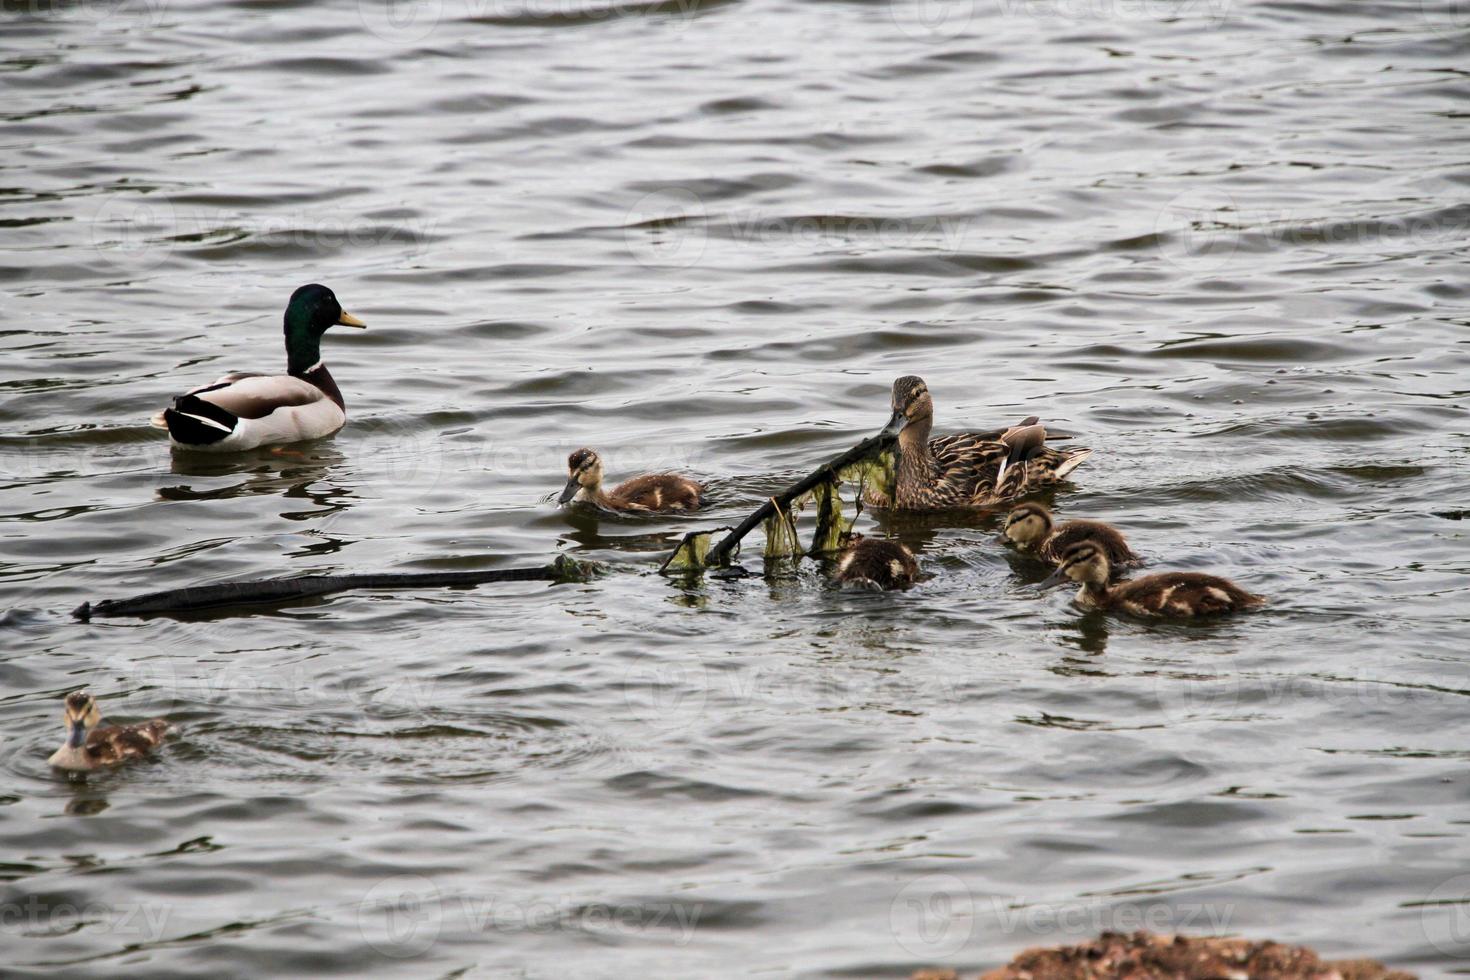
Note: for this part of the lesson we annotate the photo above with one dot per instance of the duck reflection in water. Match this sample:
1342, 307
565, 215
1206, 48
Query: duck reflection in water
292, 472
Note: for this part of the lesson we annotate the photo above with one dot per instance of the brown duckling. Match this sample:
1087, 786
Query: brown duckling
650, 493
1030, 527
89, 747
1183, 595
968, 469
880, 562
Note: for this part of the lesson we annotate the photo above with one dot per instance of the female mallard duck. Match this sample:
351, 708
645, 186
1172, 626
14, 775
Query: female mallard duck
1183, 595
1030, 527
241, 410
89, 747
651, 493
967, 469
877, 562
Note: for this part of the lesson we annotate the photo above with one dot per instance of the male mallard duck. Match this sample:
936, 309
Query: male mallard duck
241, 410
650, 493
967, 469
89, 747
1177, 594
1030, 527
880, 562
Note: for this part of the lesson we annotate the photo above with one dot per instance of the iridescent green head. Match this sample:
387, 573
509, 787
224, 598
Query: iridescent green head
312, 311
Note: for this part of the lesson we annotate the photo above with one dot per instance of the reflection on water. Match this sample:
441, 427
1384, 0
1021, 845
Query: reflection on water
286, 471
1221, 246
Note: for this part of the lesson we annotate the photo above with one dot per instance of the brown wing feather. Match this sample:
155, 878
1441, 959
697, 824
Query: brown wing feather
657, 491
1108, 538
969, 465
963, 461
941, 443
1049, 466
966, 465
953, 450
1182, 594
116, 743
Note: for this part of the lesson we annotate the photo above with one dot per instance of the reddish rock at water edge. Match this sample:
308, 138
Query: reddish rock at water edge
1146, 956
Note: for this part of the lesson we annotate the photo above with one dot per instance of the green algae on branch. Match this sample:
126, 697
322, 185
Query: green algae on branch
832, 531
781, 537
689, 554
869, 464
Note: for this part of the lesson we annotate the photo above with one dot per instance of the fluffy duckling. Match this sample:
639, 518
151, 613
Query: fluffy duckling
88, 747
650, 493
1030, 527
242, 411
968, 469
878, 562
1183, 595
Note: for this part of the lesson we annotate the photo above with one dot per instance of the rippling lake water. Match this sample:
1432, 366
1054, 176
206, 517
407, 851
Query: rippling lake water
1223, 243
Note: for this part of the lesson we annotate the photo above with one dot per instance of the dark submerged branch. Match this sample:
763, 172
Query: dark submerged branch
278, 590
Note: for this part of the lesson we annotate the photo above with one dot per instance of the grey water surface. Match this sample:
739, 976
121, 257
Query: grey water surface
1222, 243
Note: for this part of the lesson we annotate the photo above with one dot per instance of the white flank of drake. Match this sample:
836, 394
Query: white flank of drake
296, 423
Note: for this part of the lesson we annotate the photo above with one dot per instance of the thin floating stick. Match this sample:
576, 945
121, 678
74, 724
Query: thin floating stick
277, 590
